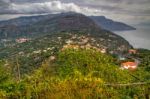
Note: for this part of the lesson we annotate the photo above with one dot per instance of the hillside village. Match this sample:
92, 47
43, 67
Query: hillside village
126, 60
76, 41
83, 43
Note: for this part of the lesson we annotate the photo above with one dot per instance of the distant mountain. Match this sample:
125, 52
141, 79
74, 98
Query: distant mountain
16, 23
111, 25
37, 27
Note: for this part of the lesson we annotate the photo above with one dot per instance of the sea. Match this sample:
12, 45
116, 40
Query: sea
139, 38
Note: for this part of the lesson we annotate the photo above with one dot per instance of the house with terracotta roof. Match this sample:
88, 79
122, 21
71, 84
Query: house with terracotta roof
129, 65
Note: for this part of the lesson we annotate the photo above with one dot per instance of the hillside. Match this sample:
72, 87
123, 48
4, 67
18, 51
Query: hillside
35, 51
47, 36
111, 25
57, 23
27, 26
74, 74
67, 22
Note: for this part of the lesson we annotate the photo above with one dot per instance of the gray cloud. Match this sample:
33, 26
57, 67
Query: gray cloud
46, 7
119, 6
4, 4
38, 7
118, 9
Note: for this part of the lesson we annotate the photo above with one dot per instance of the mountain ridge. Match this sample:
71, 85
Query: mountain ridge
102, 21
66, 23
110, 24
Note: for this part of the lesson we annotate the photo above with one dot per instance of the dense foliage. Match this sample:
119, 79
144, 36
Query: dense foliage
144, 56
76, 74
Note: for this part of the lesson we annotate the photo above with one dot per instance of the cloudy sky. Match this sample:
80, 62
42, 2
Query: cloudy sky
129, 11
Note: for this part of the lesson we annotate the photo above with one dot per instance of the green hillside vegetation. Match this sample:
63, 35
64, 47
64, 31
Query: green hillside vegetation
144, 56
75, 74
31, 54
